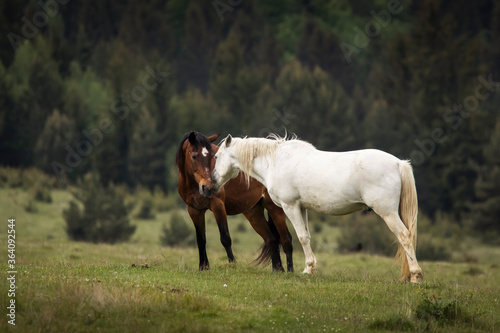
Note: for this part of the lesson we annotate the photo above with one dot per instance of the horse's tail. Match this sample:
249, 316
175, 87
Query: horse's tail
408, 210
273, 228
264, 257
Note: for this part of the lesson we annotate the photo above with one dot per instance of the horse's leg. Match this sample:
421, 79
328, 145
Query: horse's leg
271, 246
397, 226
298, 217
199, 224
278, 219
219, 211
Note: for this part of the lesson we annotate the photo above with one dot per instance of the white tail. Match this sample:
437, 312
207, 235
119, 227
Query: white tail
408, 210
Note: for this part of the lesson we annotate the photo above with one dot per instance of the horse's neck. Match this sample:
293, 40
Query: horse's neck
260, 170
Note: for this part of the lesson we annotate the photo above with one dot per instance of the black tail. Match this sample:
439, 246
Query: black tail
265, 255
272, 226
264, 258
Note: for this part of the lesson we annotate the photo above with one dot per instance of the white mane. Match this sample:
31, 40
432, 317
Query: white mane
247, 149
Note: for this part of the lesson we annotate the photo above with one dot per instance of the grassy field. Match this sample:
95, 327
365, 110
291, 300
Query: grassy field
140, 286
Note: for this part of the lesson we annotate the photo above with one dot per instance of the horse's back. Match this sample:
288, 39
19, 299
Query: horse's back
339, 182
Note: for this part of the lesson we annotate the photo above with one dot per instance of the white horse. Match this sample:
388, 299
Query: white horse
300, 177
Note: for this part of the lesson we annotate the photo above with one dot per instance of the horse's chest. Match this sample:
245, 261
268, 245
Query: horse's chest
280, 196
198, 202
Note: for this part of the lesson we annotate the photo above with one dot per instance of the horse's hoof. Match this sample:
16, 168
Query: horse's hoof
278, 269
417, 277
309, 270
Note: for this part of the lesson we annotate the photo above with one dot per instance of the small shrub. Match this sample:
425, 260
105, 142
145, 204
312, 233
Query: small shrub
431, 249
41, 193
394, 323
104, 217
474, 271
161, 204
177, 233
146, 210
11, 177
242, 227
367, 233
317, 227
26, 178
441, 311
33, 177
169, 202
31, 207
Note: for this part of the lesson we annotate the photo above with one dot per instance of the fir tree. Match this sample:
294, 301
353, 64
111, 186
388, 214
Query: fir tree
487, 187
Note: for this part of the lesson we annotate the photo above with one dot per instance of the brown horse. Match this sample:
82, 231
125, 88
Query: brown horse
195, 163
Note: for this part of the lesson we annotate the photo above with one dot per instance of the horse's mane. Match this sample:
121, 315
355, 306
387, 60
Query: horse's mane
200, 140
247, 149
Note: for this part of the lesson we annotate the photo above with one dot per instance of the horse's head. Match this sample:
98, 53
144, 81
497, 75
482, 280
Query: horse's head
225, 164
195, 156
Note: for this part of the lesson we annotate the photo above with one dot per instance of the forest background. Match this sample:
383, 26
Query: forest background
109, 87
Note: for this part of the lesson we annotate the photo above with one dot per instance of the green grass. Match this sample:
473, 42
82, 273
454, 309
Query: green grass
140, 286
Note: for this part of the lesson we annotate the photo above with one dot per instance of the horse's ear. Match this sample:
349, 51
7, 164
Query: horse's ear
228, 140
192, 138
214, 137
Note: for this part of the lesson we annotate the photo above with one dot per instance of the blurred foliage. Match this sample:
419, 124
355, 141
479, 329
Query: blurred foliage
41, 192
26, 178
177, 232
99, 216
58, 132
486, 211
146, 210
368, 233
126, 79
445, 311
31, 207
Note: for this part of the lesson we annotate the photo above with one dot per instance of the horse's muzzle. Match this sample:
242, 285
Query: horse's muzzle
206, 191
214, 187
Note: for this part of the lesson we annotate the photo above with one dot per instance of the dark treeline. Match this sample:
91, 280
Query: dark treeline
109, 87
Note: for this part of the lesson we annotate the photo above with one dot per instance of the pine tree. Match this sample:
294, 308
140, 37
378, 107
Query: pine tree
319, 109
59, 132
104, 217
34, 89
200, 40
146, 164
487, 187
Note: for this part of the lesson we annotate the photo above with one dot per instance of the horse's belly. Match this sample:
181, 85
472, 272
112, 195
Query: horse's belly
334, 209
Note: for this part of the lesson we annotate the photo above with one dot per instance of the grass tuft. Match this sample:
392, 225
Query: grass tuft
396, 323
